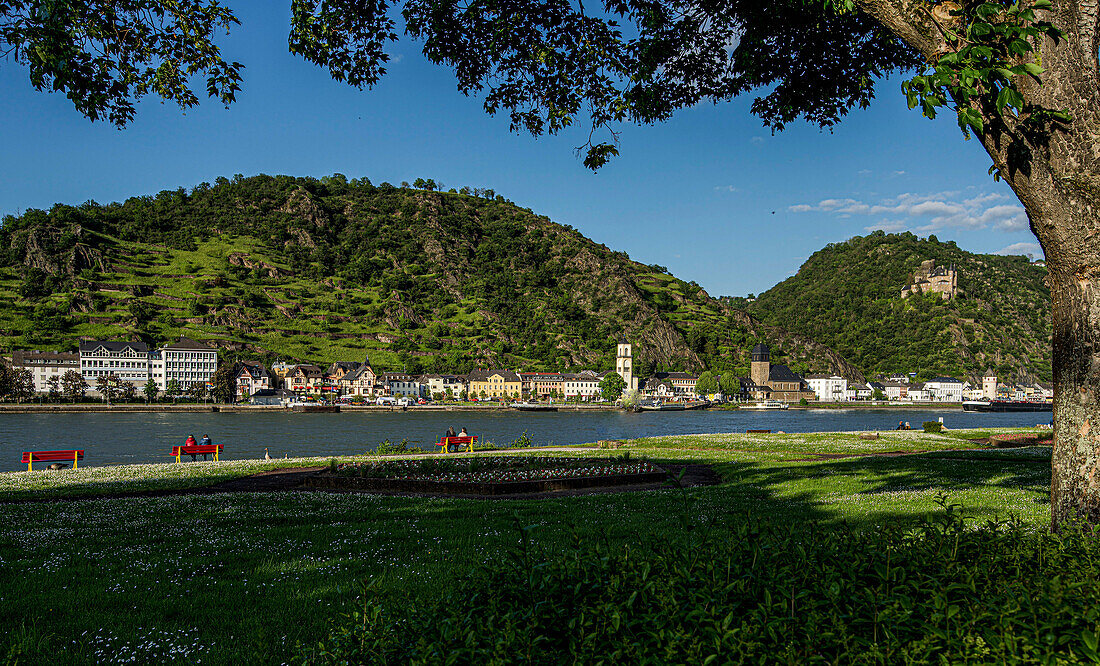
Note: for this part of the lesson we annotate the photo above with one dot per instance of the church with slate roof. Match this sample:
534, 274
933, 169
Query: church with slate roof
768, 381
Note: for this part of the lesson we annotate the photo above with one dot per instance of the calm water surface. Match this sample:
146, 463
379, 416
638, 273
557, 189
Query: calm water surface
112, 439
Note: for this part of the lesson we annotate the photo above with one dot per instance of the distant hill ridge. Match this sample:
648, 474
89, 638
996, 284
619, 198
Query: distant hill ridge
849, 296
321, 270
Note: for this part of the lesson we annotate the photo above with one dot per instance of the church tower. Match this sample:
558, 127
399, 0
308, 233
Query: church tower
624, 364
761, 365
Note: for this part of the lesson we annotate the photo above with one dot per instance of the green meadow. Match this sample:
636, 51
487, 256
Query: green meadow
265, 577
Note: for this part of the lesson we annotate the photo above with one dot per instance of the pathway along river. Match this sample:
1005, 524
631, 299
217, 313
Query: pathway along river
119, 438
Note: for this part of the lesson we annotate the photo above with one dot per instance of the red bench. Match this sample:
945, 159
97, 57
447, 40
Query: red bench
184, 450
467, 442
52, 456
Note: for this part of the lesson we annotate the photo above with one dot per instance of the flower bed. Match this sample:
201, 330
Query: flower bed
503, 475
1014, 439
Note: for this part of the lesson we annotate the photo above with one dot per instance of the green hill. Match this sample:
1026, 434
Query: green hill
848, 296
324, 270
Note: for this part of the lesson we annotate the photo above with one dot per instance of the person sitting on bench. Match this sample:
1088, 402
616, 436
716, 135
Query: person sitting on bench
191, 442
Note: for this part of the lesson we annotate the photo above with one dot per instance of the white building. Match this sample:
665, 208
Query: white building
945, 389
186, 361
440, 384
401, 384
45, 365
895, 390
128, 361
585, 385
829, 388
972, 392
919, 392
858, 392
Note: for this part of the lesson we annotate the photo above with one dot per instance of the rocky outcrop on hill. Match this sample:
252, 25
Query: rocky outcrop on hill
420, 278
243, 260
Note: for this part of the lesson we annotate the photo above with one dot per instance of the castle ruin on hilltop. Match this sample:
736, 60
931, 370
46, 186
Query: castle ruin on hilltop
932, 279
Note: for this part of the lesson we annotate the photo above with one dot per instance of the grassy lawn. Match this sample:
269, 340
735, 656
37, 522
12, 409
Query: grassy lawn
246, 577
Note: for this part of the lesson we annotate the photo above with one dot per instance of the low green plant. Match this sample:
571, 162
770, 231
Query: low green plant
386, 447
522, 442
949, 591
933, 426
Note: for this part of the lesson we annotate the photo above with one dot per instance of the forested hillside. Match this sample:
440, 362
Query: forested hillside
323, 270
848, 296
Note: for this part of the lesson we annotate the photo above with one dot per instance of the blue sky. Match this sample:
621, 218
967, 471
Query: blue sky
711, 194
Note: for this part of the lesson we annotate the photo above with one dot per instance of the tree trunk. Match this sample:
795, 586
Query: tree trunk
1075, 466
1055, 171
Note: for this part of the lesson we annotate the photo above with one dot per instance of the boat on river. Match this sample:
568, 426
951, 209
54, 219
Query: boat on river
533, 407
767, 404
661, 406
1007, 406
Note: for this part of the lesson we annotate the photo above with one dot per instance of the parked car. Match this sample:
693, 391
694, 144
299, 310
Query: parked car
386, 400
404, 402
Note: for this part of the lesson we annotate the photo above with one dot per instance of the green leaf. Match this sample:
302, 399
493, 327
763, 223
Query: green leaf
1032, 69
1010, 97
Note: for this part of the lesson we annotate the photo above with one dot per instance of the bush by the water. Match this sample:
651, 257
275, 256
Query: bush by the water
933, 426
949, 591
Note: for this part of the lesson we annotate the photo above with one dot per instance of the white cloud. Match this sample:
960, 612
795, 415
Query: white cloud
984, 199
888, 227
757, 140
1006, 218
925, 213
726, 188
1025, 249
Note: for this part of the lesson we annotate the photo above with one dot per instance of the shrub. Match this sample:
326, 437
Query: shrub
946, 592
933, 426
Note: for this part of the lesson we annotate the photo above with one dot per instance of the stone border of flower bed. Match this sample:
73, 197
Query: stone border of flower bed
329, 481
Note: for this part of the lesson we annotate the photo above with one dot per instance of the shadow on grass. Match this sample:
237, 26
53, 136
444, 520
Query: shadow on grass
865, 491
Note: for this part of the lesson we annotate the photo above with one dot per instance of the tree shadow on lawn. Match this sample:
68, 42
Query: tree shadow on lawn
865, 491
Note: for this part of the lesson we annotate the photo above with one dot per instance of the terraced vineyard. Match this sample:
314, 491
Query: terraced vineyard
326, 270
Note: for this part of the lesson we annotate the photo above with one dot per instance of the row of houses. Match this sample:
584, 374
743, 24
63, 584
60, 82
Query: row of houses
361, 380
184, 361
833, 388
354, 380
188, 362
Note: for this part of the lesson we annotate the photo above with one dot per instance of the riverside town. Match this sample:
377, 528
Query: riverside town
344, 333
107, 370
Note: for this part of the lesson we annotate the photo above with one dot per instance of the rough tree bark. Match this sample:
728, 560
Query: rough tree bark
1055, 171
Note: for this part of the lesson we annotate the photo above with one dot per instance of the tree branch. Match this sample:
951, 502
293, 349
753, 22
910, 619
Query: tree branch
909, 20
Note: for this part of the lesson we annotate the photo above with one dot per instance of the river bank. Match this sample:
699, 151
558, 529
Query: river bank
138, 408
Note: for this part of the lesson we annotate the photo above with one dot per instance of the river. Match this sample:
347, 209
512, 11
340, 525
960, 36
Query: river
121, 438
